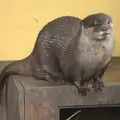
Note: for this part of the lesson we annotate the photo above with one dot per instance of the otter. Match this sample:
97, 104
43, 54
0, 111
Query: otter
69, 49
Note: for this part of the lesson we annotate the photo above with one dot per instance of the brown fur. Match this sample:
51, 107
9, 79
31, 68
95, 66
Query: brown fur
67, 48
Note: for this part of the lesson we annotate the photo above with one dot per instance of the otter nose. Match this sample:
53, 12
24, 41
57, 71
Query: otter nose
104, 28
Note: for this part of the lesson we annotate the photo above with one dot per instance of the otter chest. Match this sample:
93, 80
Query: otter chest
95, 55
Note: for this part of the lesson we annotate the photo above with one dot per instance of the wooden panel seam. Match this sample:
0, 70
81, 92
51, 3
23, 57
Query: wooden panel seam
21, 88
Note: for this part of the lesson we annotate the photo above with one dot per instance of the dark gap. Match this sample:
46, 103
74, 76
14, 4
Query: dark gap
90, 113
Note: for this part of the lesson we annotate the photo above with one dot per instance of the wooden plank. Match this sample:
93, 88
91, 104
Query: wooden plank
2, 113
42, 102
2, 108
15, 100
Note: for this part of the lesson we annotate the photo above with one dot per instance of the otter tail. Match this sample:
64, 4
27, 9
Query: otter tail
7, 71
3, 81
20, 67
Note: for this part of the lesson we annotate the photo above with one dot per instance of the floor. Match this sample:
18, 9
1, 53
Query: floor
112, 74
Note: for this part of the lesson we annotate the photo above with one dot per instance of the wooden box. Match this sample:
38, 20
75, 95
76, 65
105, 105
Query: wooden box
28, 99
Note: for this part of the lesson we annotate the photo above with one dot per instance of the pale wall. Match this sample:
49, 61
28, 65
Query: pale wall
19, 28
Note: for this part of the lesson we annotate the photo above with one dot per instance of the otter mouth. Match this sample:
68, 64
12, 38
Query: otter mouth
103, 35
106, 34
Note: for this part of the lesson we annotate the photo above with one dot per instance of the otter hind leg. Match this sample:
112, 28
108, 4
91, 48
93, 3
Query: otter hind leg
82, 88
51, 76
49, 69
98, 84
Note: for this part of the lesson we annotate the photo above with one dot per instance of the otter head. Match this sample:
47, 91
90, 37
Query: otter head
98, 26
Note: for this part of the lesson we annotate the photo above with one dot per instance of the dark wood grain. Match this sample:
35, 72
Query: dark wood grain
2, 112
2, 106
15, 100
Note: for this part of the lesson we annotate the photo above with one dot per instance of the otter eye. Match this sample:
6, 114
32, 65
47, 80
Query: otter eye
108, 22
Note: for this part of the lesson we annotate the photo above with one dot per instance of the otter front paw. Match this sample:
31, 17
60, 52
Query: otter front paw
82, 89
98, 84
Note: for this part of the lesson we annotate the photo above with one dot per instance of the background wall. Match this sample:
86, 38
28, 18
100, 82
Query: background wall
21, 21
